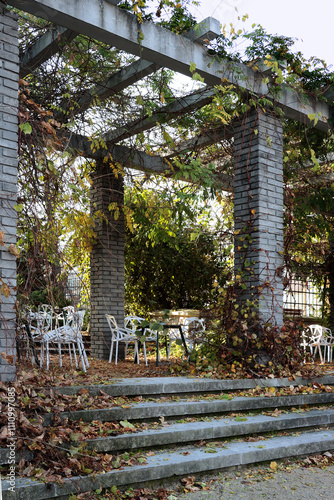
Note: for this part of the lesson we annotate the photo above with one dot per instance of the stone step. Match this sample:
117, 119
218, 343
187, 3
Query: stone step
160, 386
183, 433
153, 410
189, 460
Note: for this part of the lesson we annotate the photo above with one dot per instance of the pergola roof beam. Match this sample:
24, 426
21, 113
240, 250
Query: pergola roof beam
207, 29
114, 84
137, 160
107, 23
44, 48
203, 140
178, 107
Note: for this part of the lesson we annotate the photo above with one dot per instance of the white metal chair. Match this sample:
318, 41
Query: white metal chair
311, 339
327, 343
121, 335
135, 323
39, 323
192, 327
68, 333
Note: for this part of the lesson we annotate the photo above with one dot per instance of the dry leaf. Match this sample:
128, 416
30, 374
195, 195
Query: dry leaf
5, 290
8, 357
14, 250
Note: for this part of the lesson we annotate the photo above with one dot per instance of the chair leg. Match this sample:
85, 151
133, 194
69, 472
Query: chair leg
126, 349
145, 357
70, 352
84, 353
75, 356
47, 355
137, 352
111, 351
59, 353
41, 361
81, 356
116, 352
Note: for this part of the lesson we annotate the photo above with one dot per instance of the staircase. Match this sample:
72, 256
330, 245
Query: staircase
214, 431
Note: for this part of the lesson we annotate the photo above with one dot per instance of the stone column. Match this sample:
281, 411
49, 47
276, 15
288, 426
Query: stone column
258, 213
107, 257
9, 76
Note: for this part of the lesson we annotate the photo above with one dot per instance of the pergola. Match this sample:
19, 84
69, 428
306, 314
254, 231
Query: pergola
258, 151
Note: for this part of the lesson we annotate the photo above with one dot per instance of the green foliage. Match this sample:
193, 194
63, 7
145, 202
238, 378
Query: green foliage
170, 262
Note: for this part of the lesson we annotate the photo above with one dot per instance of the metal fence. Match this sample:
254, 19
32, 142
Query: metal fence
299, 298
73, 288
302, 299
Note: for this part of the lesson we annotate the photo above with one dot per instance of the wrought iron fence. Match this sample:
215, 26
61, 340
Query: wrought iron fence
73, 288
302, 298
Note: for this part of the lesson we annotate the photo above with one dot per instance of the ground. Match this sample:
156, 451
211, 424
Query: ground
100, 371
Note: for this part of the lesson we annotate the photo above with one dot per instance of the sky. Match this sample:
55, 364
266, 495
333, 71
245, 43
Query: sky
309, 21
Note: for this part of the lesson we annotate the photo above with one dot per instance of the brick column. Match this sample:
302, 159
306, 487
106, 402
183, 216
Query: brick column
9, 76
107, 257
258, 213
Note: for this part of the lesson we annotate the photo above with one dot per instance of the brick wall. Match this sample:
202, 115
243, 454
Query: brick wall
9, 71
107, 258
258, 212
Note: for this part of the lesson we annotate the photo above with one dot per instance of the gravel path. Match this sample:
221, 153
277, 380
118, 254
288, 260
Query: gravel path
300, 483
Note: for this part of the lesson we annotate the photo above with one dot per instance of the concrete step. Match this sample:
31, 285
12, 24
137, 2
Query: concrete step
183, 433
189, 460
173, 450
186, 385
156, 409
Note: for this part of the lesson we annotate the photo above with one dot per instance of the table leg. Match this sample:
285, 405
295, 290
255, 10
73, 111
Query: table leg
183, 341
157, 358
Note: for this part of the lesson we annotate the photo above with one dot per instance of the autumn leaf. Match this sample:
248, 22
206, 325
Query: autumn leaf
8, 357
14, 250
5, 290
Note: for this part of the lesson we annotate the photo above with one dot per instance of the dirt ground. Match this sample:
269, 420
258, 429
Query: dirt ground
100, 371
290, 482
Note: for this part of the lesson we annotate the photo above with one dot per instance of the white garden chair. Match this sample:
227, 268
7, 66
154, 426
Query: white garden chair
327, 343
311, 340
39, 323
144, 334
118, 335
69, 332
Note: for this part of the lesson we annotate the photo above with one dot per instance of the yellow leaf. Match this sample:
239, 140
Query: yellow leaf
5, 290
273, 465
